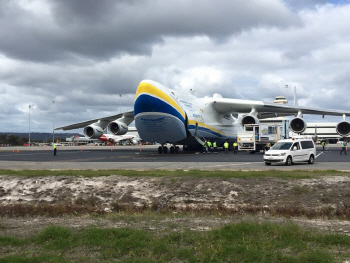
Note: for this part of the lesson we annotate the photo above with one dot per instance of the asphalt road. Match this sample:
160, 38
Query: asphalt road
146, 157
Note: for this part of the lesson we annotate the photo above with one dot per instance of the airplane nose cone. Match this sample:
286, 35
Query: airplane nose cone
158, 116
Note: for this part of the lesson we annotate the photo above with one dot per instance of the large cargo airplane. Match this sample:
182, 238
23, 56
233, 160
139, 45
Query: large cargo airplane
111, 138
164, 116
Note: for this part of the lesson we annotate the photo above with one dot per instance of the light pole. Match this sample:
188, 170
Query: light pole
29, 123
120, 102
53, 122
295, 95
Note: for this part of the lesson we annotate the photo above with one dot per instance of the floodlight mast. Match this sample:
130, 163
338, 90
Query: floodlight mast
53, 121
29, 124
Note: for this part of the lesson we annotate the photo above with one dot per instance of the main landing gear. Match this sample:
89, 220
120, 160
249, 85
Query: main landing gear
164, 149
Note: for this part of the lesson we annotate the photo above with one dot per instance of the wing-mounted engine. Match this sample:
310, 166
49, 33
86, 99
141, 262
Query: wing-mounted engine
249, 119
343, 128
297, 125
117, 127
93, 131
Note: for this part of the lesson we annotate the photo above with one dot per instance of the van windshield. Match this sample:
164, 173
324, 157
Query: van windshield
281, 146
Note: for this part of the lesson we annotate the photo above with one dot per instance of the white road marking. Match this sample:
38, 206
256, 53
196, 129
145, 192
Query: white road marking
35, 153
319, 154
220, 165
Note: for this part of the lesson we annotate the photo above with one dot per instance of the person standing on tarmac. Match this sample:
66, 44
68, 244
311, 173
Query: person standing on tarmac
205, 145
323, 143
226, 147
208, 146
215, 147
344, 147
235, 147
54, 149
268, 146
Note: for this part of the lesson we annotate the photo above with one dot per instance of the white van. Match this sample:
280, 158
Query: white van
290, 151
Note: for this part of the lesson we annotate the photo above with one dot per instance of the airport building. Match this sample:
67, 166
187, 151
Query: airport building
324, 131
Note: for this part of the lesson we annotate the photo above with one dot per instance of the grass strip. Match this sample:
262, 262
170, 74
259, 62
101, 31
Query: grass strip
241, 242
295, 174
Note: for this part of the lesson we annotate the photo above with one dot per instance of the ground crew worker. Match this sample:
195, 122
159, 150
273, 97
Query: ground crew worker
208, 146
268, 146
323, 143
226, 147
344, 147
215, 147
235, 147
205, 145
54, 149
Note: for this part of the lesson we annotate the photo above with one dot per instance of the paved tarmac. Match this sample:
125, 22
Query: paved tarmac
147, 158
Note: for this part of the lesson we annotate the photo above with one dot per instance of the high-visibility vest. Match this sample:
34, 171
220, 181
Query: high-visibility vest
214, 144
54, 146
235, 144
209, 144
226, 145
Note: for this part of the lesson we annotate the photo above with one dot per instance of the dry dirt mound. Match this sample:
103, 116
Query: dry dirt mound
321, 199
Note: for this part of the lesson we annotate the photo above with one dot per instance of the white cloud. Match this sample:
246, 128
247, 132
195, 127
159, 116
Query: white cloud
83, 54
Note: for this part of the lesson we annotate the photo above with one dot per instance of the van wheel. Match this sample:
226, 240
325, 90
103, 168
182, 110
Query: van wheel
311, 159
267, 163
289, 161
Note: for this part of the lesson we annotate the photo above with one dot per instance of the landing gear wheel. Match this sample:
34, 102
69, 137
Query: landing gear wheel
289, 161
160, 149
172, 149
165, 149
177, 149
311, 159
267, 163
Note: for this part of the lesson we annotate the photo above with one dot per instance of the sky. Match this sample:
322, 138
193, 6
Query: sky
64, 61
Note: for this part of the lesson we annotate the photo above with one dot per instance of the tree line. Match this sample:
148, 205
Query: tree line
13, 140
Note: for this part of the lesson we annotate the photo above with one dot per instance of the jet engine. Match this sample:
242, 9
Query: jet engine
93, 131
297, 125
117, 128
343, 128
249, 119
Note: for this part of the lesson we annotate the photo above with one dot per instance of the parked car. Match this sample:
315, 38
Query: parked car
291, 150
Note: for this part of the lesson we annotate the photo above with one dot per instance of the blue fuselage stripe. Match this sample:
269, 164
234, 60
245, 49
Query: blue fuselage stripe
190, 127
146, 103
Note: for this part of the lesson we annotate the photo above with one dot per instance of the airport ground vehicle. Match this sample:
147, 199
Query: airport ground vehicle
291, 150
254, 137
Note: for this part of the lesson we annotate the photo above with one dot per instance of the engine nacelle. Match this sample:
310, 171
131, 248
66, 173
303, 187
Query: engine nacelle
249, 119
117, 128
343, 128
93, 131
297, 125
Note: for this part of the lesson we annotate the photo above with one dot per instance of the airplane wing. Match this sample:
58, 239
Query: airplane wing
129, 115
232, 106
